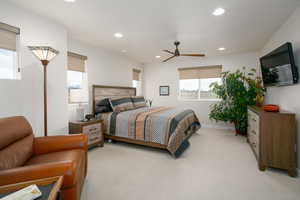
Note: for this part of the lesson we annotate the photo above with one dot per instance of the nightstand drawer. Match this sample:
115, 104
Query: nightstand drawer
93, 129
93, 140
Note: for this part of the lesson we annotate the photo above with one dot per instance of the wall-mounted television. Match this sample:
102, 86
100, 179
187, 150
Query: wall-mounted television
278, 67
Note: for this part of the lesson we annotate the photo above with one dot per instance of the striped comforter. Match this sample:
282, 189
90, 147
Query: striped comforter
163, 125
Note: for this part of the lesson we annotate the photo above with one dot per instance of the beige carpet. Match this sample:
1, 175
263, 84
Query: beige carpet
217, 166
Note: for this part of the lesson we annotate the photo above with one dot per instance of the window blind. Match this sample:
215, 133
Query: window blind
200, 72
136, 74
76, 62
8, 37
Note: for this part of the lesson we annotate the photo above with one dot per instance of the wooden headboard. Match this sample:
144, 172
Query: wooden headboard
103, 91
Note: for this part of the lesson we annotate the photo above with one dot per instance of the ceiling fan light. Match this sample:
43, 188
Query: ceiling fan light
222, 49
218, 11
118, 35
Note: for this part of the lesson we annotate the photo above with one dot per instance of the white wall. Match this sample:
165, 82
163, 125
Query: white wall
167, 74
25, 96
287, 97
103, 68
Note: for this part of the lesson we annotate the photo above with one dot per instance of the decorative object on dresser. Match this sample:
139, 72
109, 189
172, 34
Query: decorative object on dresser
45, 54
93, 129
271, 108
49, 187
271, 136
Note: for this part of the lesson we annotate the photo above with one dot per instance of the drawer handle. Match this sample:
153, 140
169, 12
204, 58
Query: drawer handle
253, 132
94, 139
254, 145
253, 119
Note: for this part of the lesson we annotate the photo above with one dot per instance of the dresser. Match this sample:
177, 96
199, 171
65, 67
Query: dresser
272, 138
93, 129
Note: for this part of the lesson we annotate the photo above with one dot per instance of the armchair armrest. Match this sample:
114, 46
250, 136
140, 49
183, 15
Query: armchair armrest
33, 172
43, 145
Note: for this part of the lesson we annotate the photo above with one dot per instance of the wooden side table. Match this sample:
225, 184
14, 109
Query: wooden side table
93, 129
50, 187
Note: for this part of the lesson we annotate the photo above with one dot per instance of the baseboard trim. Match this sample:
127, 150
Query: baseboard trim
223, 127
298, 173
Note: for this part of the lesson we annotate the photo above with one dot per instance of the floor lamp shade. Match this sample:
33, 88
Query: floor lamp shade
45, 54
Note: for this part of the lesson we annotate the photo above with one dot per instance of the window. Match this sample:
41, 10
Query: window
9, 68
77, 78
136, 81
194, 82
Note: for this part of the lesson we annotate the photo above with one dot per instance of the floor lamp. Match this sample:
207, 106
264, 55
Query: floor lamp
45, 55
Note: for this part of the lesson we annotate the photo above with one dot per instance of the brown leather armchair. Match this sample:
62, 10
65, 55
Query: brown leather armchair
24, 158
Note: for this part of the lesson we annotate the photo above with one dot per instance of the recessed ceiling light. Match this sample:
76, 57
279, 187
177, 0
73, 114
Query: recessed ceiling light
124, 51
219, 11
222, 49
70, 1
157, 56
118, 35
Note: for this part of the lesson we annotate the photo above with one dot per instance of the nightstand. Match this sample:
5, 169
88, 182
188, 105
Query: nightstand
93, 129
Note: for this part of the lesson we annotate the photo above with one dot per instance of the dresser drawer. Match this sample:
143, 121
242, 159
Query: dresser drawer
253, 124
253, 120
254, 131
255, 147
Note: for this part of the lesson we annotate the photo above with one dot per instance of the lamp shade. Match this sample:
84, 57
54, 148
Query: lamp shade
43, 52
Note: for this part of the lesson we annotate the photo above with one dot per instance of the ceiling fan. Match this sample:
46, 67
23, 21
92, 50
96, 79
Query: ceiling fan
176, 53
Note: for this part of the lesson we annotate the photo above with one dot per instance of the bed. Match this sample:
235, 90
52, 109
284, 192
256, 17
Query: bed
160, 127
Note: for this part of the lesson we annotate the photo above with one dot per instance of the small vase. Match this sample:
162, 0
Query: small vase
259, 100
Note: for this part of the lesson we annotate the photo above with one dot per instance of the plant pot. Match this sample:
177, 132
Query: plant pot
238, 131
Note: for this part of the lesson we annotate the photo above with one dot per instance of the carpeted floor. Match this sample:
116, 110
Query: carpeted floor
217, 166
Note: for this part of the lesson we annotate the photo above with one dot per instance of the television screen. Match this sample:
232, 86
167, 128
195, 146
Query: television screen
278, 67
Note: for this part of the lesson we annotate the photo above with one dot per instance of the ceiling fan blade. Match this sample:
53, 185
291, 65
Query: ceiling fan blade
169, 58
168, 51
196, 55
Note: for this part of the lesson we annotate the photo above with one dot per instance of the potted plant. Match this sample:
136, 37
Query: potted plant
236, 92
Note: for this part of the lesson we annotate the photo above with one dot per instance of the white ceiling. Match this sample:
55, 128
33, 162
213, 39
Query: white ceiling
152, 25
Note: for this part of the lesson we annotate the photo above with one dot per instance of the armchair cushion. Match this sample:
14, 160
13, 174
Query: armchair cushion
43, 145
32, 172
16, 154
13, 129
16, 142
75, 157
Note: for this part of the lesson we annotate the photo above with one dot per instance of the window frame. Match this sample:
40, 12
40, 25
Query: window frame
16, 69
137, 77
180, 98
